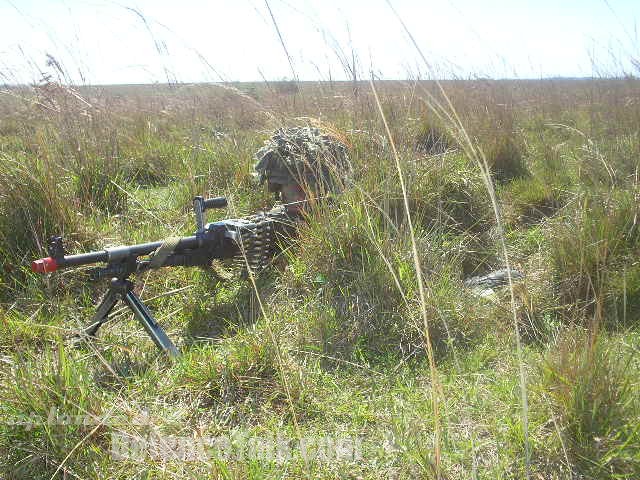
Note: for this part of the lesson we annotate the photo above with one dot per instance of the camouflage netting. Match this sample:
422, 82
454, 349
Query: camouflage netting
304, 155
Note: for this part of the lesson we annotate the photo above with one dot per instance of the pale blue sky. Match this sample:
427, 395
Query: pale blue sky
101, 41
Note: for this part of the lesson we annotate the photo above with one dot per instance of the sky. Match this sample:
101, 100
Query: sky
147, 41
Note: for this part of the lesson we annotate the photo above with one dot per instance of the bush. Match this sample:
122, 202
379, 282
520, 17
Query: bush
358, 302
242, 370
432, 140
528, 200
357, 281
444, 193
96, 187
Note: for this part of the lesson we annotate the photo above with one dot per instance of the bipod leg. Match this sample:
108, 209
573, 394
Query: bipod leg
149, 323
102, 312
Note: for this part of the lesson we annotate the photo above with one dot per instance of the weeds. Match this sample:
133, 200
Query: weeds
35, 205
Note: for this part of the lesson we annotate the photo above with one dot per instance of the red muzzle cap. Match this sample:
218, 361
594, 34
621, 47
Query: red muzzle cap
44, 265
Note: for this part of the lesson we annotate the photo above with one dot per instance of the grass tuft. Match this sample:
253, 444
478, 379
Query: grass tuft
595, 403
592, 248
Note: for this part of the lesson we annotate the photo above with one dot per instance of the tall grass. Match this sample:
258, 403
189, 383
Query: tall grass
345, 332
591, 392
593, 251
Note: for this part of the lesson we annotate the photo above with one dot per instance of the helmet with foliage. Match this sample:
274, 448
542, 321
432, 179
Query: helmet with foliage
311, 157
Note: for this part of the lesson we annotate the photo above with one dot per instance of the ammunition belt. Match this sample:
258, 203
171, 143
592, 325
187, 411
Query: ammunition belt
259, 239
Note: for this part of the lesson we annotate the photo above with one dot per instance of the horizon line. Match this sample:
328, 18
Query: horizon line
362, 81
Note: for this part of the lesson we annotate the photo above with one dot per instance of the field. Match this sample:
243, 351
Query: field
362, 336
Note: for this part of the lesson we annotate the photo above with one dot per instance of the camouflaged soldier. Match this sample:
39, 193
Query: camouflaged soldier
303, 164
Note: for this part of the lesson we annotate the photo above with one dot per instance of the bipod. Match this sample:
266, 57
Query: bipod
121, 289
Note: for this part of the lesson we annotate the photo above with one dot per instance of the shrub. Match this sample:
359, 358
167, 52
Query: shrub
97, 187
444, 193
364, 299
243, 369
432, 140
359, 303
528, 200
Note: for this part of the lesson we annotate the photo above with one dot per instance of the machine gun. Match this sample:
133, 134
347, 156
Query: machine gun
250, 240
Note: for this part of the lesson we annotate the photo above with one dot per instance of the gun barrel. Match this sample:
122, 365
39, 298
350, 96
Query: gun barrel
49, 264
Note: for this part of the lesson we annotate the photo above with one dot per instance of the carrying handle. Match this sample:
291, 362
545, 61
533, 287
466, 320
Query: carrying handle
200, 205
215, 202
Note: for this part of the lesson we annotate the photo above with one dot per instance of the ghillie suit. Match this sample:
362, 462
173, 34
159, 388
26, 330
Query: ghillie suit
315, 159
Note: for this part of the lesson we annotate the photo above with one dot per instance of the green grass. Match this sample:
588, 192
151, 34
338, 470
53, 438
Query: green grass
339, 347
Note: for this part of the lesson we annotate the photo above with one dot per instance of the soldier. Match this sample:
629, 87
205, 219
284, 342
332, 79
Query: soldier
303, 164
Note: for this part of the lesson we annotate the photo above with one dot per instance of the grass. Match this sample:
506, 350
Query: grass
331, 341
590, 391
